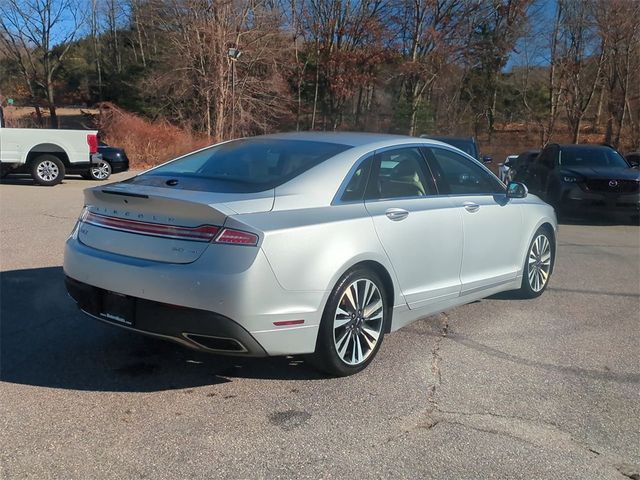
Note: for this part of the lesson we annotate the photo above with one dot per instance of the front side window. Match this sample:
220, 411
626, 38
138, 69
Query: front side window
399, 173
458, 175
242, 166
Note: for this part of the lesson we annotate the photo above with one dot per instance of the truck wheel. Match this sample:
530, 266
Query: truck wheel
99, 171
47, 170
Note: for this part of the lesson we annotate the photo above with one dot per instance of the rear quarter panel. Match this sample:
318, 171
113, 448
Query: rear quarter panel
309, 249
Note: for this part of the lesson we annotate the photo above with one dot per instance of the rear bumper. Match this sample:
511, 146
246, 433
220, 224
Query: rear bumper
119, 167
198, 329
227, 291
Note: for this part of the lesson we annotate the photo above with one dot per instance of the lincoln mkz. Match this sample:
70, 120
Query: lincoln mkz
305, 243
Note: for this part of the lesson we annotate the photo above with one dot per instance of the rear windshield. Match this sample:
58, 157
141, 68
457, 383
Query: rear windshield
592, 157
242, 166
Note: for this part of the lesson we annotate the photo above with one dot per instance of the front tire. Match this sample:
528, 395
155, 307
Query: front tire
47, 170
352, 326
538, 265
100, 171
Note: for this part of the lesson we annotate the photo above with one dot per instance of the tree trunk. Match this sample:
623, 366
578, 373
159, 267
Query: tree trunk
575, 134
52, 104
315, 94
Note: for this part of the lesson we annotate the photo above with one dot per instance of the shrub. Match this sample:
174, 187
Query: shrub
146, 143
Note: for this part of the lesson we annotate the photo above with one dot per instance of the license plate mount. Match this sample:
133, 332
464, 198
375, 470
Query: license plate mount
118, 308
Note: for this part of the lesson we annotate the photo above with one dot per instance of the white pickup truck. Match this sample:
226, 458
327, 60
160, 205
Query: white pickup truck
48, 154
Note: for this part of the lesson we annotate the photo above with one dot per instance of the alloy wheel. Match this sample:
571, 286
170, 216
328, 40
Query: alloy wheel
101, 171
47, 171
358, 321
539, 263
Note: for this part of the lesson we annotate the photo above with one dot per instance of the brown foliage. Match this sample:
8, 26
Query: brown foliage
146, 143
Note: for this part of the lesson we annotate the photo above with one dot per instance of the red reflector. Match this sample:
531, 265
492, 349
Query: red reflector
237, 237
92, 141
203, 233
286, 323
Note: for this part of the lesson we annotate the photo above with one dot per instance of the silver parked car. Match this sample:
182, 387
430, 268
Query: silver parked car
304, 243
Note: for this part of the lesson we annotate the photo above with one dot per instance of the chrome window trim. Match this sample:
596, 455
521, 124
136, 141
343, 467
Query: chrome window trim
337, 198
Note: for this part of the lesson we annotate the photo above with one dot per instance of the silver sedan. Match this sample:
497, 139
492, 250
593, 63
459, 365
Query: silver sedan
304, 243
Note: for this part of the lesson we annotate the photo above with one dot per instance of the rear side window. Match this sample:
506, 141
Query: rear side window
458, 175
248, 165
357, 184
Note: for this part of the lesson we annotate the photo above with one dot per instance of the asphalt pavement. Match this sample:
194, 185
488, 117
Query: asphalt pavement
501, 388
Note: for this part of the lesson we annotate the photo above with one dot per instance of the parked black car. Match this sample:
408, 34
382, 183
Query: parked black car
581, 178
114, 160
466, 144
520, 163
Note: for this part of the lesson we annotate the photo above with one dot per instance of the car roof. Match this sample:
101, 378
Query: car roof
582, 146
444, 137
353, 139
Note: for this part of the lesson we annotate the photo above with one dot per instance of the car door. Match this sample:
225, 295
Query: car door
492, 225
540, 171
420, 231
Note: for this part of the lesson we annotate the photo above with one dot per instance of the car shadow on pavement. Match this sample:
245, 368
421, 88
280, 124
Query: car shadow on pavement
46, 341
25, 179
598, 220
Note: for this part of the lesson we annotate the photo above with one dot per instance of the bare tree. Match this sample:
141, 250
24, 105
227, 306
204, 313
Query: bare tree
431, 34
225, 63
95, 40
39, 34
620, 34
497, 27
349, 43
581, 59
554, 90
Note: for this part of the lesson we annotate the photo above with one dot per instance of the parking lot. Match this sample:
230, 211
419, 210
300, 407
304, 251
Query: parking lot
501, 388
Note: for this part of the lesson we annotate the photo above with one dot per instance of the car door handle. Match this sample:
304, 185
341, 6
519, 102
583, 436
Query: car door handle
471, 207
396, 214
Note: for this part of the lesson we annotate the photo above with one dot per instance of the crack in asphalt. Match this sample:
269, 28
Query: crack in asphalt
435, 361
533, 432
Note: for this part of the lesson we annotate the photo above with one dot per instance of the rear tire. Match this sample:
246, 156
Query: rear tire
47, 170
353, 323
538, 264
100, 171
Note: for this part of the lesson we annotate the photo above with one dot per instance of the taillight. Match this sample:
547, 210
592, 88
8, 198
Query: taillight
92, 141
203, 233
237, 237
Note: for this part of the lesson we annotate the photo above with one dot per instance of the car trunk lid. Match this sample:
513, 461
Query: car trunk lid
160, 224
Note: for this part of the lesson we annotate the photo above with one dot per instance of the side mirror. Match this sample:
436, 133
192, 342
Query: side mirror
516, 190
634, 164
487, 159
